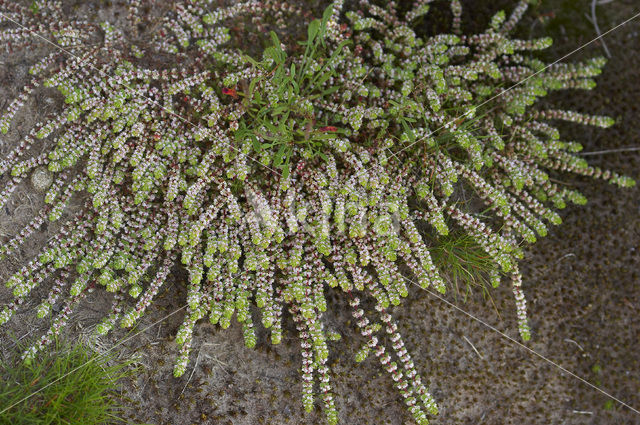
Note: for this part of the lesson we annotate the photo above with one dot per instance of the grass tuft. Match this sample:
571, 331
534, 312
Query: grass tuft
70, 385
463, 264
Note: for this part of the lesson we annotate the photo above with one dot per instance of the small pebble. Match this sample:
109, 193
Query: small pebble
41, 179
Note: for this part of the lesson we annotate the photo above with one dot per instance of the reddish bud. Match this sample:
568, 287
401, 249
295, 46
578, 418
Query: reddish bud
230, 92
328, 128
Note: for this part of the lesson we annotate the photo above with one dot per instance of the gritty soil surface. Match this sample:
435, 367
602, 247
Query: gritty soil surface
582, 284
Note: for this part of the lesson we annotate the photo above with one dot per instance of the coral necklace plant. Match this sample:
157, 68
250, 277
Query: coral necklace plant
332, 167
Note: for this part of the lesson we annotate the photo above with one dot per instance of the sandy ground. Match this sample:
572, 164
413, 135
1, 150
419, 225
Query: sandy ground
581, 282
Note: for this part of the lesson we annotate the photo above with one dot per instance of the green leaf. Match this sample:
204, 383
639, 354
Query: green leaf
324, 136
270, 52
275, 39
270, 127
252, 86
393, 102
325, 19
281, 55
321, 77
295, 86
282, 126
312, 31
256, 144
284, 85
329, 91
279, 110
278, 158
412, 137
